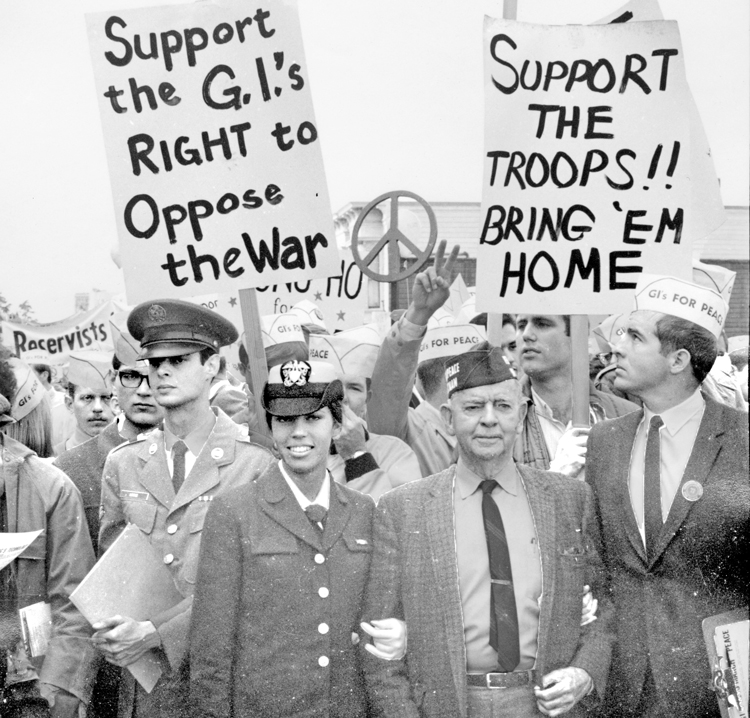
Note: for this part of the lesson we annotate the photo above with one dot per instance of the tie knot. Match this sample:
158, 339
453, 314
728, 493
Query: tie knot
488, 485
316, 513
656, 422
179, 448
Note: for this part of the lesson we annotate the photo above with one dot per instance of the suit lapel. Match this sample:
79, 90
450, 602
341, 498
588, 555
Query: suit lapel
439, 523
542, 505
619, 480
278, 502
705, 450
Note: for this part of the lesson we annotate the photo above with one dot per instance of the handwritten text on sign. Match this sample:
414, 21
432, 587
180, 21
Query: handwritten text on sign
587, 176
213, 150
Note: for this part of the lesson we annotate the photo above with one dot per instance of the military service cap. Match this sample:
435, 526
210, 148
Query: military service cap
298, 388
170, 327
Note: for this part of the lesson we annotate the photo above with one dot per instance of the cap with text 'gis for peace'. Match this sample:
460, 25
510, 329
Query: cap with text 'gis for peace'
351, 352
35, 357
478, 367
298, 388
283, 339
30, 391
172, 327
447, 341
683, 299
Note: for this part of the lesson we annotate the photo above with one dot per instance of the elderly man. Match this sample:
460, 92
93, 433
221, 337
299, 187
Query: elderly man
673, 495
164, 484
487, 563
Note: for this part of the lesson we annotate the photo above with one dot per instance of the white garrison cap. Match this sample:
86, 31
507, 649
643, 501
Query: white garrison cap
281, 328
683, 299
90, 369
443, 342
720, 279
353, 351
308, 313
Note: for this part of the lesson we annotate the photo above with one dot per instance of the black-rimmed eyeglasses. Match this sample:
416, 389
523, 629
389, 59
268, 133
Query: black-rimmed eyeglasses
132, 379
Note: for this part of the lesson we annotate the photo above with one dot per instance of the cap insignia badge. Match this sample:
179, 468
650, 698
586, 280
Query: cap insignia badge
295, 373
157, 313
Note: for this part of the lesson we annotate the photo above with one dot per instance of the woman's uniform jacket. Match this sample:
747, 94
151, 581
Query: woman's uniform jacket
278, 605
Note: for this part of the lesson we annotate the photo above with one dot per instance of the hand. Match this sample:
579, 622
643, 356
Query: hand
351, 437
62, 704
432, 287
570, 457
561, 690
123, 640
590, 604
389, 638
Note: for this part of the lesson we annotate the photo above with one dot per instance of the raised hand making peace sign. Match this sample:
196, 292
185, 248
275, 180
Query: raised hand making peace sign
432, 287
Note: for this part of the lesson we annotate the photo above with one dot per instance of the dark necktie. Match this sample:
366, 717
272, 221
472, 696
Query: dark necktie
503, 617
178, 470
317, 515
652, 487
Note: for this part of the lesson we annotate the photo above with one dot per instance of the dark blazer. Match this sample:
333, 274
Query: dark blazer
84, 465
265, 639
699, 569
414, 576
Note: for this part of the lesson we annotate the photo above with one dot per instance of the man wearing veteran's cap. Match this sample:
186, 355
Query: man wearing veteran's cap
673, 502
283, 566
371, 463
164, 483
89, 396
487, 563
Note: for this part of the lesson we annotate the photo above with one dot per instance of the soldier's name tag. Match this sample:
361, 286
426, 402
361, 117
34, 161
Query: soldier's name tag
134, 495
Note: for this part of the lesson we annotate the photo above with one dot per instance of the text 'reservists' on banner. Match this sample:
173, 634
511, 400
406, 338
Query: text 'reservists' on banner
213, 151
589, 179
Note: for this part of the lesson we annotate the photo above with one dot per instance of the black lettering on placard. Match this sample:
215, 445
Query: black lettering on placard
585, 270
615, 269
538, 223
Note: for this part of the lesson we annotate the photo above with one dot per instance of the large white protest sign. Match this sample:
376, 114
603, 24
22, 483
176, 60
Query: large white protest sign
588, 171
86, 330
214, 157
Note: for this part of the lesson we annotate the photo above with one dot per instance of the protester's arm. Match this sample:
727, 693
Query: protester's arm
70, 663
216, 606
396, 366
387, 680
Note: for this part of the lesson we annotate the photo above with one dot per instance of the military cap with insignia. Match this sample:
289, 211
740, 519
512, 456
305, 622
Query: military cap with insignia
483, 365
298, 388
171, 327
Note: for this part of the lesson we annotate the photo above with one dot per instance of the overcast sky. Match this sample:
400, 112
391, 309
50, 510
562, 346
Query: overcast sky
397, 88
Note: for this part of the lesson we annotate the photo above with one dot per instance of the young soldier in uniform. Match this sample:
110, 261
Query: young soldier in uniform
164, 484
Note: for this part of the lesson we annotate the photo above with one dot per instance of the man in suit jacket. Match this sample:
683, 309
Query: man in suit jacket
673, 514
484, 640
164, 484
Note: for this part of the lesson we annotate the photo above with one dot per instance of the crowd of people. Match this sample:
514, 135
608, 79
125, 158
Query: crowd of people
413, 526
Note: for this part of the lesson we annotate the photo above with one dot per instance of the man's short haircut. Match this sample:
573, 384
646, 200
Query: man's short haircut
222, 364
675, 333
41, 368
481, 320
739, 358
206, 353
116, 363
431, 374
8, 384
70, 389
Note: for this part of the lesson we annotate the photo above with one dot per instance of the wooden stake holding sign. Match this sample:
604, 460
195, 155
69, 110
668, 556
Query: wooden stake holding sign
256, 355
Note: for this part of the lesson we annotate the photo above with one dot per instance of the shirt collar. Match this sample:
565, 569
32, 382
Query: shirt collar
195, 439
676, 417
468, 482
322, 499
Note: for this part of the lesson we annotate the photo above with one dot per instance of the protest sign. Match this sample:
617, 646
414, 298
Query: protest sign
213, 152
88, 330
588, 171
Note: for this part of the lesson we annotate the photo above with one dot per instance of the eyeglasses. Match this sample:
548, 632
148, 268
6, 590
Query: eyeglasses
132, 379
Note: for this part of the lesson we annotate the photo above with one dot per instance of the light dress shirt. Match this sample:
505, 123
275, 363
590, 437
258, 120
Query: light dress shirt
677, 436
474, 568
